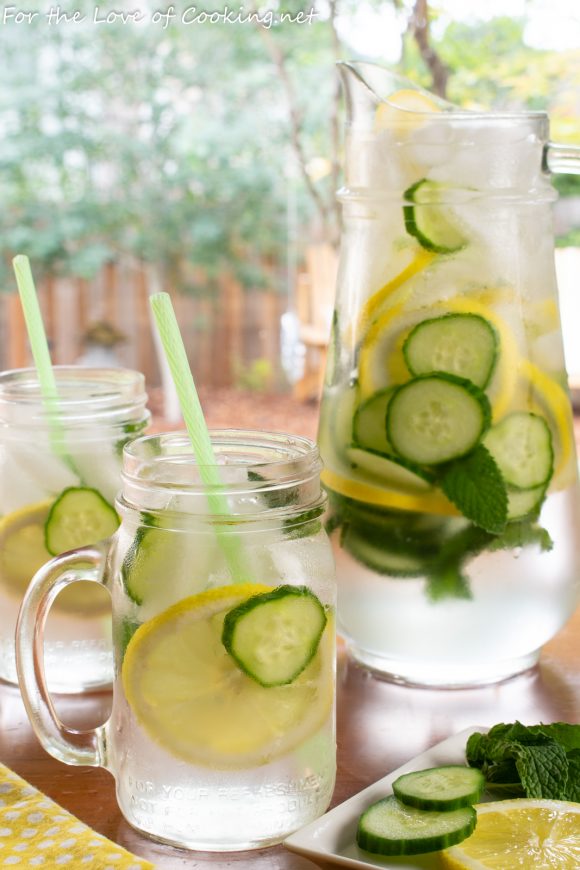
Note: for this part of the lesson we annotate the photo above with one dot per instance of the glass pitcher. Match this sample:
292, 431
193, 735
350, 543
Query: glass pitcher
446, 427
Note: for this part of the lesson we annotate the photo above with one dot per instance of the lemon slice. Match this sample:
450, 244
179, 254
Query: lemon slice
367, 492
23, 552
554, 399
404, 110
539, 834
376, 302
192, 699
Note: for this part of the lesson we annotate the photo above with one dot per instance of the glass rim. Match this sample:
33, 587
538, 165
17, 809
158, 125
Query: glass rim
21, 385
284, 458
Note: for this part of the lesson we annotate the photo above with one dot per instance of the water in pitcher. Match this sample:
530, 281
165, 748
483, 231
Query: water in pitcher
446, 427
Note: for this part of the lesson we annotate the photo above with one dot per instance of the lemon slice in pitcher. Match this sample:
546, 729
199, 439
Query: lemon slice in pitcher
23, 551
521, 833
405, 108
192, 699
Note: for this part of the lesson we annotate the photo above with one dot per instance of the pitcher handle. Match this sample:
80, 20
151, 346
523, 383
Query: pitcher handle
563, 159
73, 747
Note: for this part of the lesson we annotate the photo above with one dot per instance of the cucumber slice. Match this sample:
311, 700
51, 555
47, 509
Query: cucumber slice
369, 426
440, 788
388, 827
163, 566
381, 554
465, 345
389, 470
435, 418
273, 636
521, 444
524, 502
431, 222
80, 516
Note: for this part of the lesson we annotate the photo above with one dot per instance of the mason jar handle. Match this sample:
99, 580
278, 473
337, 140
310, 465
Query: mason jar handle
68, 745
563, 159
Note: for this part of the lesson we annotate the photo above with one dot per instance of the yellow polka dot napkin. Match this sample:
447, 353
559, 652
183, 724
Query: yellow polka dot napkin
36, 832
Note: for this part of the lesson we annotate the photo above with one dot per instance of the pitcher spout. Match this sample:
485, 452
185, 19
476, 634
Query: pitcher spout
368, 86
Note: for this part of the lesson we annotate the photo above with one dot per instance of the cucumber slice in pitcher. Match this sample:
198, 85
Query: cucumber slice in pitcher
521, 444
465, 345
388, 827
389, 470
274, 635
79, 517
429, 220
524, 502
382, 555
369, 425
435, 418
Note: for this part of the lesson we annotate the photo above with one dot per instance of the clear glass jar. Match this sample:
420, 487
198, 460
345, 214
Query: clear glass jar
212, 747
46, 449
446, 427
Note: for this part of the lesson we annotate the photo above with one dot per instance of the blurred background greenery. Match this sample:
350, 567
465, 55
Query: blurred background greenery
204, 148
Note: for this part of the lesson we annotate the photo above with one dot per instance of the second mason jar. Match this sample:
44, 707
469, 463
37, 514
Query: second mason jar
60, 469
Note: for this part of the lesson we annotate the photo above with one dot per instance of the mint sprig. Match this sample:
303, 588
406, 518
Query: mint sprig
474, 484
538, 761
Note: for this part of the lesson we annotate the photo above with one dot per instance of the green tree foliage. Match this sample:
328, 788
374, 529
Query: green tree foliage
171, 145
181, 145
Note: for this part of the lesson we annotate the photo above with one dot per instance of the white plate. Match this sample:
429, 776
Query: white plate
332, 837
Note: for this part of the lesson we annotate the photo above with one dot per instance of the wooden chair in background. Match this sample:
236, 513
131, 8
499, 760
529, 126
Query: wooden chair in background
315, 293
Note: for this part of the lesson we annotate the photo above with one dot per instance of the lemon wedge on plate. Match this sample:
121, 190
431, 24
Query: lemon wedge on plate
23, 552
191, 698
538, 834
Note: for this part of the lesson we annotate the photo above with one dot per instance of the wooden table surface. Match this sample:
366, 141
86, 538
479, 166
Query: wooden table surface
380, 726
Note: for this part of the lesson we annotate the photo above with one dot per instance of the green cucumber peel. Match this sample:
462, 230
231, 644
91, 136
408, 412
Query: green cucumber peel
421, 433
62, 531
273, 636
388, 827
427, 220
461, 344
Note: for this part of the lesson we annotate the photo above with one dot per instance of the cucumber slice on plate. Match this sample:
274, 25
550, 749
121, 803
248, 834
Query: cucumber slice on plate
429, 220
389, 470
448, 787
80, 516
274, 635
521, 444
465, 345
369, 425
435, 418
388, 827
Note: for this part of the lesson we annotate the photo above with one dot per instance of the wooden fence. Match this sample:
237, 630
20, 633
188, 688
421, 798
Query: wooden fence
223, 334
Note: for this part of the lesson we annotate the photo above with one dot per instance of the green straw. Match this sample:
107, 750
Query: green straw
40, 352
35, 327
197, 429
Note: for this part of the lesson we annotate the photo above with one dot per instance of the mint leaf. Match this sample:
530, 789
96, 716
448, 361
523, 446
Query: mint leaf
474, 484
522, 534
543, 769
573, 790
446, 577
447, 582
539, 761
